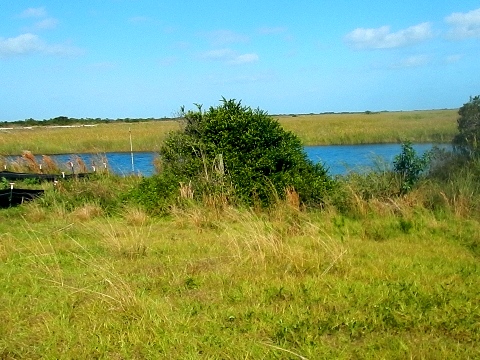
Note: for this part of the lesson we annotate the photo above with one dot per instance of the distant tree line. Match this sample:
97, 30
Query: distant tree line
64, 120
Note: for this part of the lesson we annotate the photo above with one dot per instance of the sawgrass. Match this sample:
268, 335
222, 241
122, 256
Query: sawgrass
366, 128
146, 136
356, 128
391, 279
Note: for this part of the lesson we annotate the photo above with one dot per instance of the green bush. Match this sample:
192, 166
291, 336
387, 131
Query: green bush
409, 166
156, 193
239, 151
466, 142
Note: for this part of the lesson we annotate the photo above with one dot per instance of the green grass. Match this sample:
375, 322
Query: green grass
86, 274
396, 281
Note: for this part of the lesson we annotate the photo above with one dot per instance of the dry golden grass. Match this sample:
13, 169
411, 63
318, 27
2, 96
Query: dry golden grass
135, 216
146, 136
384, 127
129, 241
35, 213
86, 212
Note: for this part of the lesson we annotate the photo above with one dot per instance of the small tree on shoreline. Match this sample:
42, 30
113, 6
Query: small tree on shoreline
409, 166
467, 141
243, 152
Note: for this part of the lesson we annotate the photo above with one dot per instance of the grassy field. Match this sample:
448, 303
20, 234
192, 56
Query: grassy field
384, 127
374, 274
392, 278
359, 128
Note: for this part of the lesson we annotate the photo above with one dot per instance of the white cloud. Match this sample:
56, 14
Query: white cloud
22, 44
230, 56
49, 23
219, 54
28, 43
383, 38
244, 59
464, 25
412, 61
34, 12
43, 24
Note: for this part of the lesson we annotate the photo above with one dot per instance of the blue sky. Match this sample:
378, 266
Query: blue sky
146, 58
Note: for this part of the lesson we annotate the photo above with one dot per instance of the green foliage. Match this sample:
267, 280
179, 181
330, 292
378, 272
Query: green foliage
467, 140
243, 152
4, 183
105, 191
156, 193
410, 166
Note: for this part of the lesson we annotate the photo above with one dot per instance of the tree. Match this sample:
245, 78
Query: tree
243, 151
409, 166
467, 141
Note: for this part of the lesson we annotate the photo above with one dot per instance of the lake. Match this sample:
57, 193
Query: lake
339, 159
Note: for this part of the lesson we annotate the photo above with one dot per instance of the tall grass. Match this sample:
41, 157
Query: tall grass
384, 127
375, 273
358, 128
381, 276
146, 136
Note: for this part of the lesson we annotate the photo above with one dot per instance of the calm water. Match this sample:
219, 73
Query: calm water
339, 159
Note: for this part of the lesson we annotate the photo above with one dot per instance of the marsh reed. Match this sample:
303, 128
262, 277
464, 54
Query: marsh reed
352, 128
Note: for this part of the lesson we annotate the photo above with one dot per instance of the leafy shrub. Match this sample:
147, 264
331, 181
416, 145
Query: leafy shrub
101, 190
156, 193
239, 151
466, 142
410, 166
4, 183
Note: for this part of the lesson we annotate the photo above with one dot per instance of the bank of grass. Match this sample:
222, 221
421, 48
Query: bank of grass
146, 136
353, 128
375, 275
365, 128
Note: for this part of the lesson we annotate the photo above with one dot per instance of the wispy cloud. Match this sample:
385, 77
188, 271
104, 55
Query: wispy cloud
45, 24
230, 56
383, 38
464, 25
244, 59
28, 43
20, 45
223, 37
34, 12
412, 61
